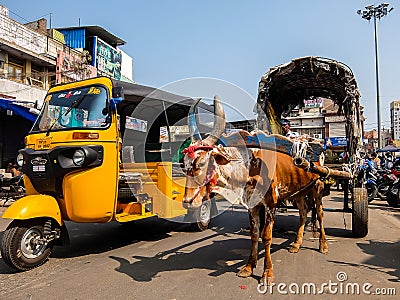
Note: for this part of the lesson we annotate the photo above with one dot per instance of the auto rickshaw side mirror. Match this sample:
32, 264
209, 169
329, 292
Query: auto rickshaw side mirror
117, 96
118, 92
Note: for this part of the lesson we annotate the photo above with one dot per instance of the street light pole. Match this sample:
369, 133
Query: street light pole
375, 12
378, 101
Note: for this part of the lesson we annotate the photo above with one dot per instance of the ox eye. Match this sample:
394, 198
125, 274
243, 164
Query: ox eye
201, 164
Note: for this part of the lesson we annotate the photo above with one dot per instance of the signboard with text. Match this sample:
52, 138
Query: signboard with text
313, 103
336, 142
108, 60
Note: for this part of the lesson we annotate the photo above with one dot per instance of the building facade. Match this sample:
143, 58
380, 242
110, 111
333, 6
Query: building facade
34, 58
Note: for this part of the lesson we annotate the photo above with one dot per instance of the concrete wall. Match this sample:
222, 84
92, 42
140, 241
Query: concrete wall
22, 91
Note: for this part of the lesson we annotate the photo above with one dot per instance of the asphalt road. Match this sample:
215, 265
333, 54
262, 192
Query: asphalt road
154, 259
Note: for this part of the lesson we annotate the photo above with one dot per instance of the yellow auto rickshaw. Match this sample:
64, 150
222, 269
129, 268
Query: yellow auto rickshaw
100, 150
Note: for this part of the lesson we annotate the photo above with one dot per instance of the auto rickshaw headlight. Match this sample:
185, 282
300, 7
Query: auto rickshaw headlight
20, 159
79, 157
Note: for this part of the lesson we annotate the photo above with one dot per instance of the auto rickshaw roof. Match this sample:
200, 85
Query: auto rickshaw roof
151, 98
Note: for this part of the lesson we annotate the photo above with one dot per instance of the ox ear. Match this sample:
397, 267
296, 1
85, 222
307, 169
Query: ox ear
220, 159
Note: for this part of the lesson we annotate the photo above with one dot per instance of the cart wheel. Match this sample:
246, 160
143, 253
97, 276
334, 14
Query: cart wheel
23, 246
203, 215
360, 212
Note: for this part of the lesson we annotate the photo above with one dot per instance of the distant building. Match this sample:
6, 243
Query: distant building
308, 119
371, 139
33, 58
395, 119
247, 125
317, 117
103, 49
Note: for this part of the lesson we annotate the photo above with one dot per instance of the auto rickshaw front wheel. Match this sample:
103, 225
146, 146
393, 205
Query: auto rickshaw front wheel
203, 215
24, 245
200, 218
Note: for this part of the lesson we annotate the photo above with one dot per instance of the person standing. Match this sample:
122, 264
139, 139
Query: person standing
286, 129
375, 160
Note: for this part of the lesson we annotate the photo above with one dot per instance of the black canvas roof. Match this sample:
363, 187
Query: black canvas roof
154, 98
287, 85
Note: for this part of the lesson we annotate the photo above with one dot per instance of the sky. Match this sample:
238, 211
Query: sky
236, 42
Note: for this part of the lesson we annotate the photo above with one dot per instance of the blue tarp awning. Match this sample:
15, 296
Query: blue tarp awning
22, 111
389, 148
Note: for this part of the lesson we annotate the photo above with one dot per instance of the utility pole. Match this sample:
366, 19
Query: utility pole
376, 12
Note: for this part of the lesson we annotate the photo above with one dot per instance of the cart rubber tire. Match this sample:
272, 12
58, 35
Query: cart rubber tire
18, 249
360, 212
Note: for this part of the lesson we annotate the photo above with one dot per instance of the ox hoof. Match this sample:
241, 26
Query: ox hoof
294, 248
245, 272
267, 280
324, 249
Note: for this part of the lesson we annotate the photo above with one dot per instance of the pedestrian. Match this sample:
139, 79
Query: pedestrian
375, 160
389, 161
286, 129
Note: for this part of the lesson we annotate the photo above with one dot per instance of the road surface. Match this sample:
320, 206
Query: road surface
154, 259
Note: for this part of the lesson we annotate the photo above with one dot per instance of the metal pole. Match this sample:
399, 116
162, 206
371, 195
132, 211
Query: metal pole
375, 12
377, 83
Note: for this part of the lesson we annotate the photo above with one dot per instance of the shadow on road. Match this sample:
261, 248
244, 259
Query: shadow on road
98, 238
220, 257
92, 238
385, 257
226, 256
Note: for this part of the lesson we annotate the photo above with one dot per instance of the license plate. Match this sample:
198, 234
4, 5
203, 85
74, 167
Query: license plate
43, 143
40, 168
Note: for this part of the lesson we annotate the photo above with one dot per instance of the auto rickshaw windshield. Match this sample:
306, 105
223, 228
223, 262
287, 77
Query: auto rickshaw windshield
83, 108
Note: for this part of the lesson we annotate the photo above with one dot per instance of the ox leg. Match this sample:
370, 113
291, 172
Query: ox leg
314, 221
295, 247
323, 245
254, 216
268, 274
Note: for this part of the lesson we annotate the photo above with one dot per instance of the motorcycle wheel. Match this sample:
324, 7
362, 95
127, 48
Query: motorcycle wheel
22, 246
393, 200
382, 191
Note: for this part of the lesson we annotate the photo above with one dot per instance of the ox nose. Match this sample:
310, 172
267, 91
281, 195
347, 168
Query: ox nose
186, 200
187, 203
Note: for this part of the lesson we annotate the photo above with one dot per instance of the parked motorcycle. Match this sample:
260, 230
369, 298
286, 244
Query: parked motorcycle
393, 197
367, 176
385, 181
11, 189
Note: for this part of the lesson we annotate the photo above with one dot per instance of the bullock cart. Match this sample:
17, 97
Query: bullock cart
294, 85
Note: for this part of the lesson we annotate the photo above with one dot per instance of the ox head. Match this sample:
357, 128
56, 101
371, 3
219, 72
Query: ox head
202, 158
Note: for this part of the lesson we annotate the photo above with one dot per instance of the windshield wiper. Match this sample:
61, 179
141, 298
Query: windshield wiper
74, 104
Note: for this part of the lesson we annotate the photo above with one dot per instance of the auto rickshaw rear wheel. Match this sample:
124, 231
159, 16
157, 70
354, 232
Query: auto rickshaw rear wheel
23, 247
